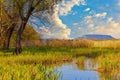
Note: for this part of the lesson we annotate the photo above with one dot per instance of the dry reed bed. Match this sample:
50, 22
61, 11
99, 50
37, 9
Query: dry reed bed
115, 43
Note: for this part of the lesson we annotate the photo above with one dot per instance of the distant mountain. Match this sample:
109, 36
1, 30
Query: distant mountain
97, 36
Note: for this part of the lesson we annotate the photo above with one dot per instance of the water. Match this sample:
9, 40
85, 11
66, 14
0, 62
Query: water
71, 71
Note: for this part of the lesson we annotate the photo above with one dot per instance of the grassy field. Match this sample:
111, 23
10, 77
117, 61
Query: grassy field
38, 62
33, 63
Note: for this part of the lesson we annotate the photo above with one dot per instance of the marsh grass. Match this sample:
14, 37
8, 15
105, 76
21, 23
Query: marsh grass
26, 72
30, 65
76, 43
109, 62
33, 62
73, 43
81, 60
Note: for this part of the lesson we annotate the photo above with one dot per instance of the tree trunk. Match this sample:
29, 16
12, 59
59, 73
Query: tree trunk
7, 37
18, 48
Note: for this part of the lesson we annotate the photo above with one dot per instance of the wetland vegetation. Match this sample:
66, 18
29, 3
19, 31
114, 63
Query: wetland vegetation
49, 62
36, 44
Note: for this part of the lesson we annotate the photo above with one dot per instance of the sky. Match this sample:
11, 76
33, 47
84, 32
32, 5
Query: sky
74, 18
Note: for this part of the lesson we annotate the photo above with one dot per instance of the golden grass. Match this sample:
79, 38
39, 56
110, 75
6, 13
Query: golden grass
115, 43
106, 44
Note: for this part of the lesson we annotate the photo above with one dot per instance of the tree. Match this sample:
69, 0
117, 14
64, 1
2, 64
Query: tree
9, 20
30, 34
19, 13
27, 8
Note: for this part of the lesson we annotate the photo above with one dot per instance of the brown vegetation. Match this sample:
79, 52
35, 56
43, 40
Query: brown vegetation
84, 43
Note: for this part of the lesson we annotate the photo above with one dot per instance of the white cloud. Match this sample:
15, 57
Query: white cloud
92, 12
57, 29
66, 6
74, 13
75, 24
111, 28
94, 25
101, 15
87, 9
88, 19
118, 3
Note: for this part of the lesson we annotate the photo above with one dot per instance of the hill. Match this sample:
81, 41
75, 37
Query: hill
97, 36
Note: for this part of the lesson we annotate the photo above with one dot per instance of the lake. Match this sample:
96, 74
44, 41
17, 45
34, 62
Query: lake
73, 71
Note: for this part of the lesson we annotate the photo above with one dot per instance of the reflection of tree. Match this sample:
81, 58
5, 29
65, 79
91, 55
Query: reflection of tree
81, 67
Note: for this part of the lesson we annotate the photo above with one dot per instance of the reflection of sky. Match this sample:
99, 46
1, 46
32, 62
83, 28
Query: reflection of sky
71, 72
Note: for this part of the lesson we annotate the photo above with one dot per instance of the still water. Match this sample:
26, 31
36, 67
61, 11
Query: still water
71, 71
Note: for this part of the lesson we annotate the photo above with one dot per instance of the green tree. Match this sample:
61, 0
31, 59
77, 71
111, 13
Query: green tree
18, 13
27, 8
9, 20
30, 34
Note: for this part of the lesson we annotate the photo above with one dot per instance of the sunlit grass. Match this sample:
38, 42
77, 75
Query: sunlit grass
26, 72
109, 62
30, 66
33, 63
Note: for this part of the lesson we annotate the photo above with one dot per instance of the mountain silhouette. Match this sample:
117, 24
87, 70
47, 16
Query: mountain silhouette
97, 36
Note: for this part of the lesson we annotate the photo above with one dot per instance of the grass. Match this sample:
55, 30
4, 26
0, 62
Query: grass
30, 65
77, 43
109, 62
37, 63
26, 72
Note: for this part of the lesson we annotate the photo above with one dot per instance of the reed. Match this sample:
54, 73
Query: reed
33, 63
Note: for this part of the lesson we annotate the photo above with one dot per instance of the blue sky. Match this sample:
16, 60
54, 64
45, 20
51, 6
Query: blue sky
74, 18
98, 6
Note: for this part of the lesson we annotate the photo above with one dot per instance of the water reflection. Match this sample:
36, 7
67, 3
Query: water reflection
72, 71
90, 64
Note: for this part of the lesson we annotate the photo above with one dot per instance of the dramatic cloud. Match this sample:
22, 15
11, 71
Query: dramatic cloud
57, 29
